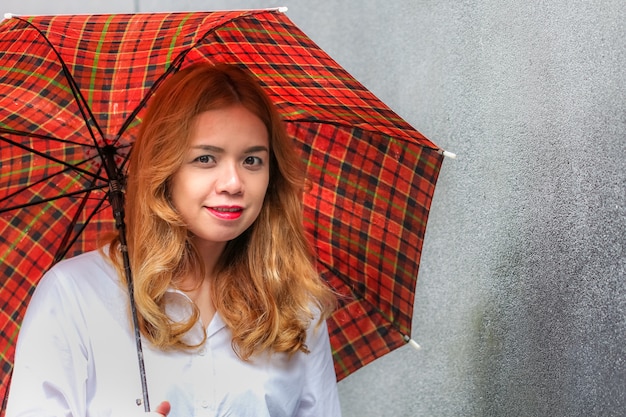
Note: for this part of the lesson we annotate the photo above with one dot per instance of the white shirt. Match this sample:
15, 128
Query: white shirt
76, 356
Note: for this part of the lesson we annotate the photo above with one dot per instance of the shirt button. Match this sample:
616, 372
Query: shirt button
202, 352
205, 404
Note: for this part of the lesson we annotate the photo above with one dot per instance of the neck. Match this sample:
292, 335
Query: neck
210, 253
198, 287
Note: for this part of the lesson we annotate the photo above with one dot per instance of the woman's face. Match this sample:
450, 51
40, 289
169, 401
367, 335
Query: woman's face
220, 188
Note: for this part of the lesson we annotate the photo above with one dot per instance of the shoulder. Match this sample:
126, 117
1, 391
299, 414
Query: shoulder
88, 261
85, 273
317, 336
69, 294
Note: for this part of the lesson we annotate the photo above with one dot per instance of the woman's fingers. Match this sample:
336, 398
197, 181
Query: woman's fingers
163, 408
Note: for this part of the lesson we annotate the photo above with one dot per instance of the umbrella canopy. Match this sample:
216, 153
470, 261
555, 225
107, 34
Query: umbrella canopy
73, 90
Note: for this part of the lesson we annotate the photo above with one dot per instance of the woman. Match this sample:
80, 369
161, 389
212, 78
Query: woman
231, 309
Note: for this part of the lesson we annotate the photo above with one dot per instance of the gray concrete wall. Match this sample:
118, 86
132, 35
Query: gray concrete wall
521, 298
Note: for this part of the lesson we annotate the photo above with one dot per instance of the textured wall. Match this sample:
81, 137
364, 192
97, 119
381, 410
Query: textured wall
521, 298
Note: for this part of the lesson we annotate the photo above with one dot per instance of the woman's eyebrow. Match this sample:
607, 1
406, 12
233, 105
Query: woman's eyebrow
210, 148
217, 149
257, 149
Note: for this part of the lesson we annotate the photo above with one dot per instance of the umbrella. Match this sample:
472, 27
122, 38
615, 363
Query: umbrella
72, 95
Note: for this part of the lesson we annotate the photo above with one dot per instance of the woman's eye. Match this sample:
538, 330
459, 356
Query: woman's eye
253, 160
204, 159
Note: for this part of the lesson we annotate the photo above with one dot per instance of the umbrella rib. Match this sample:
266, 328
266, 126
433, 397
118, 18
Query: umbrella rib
67, 243
352, 126
53, 159
362, 298
174, 66
39, 136
80, 99
144, 100
46, 200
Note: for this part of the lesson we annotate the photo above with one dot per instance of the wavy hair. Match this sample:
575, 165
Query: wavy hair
266, 287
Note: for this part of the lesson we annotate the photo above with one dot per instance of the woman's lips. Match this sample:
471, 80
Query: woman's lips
226, 212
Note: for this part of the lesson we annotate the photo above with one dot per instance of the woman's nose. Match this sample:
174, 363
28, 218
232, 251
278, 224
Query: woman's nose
229, 180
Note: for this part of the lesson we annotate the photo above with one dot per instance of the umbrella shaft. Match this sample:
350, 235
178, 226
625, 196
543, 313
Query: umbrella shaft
116, 197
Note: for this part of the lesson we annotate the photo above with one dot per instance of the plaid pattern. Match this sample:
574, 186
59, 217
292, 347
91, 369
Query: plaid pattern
70, 85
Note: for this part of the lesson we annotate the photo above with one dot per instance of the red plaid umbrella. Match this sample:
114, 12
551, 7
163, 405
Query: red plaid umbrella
73, 87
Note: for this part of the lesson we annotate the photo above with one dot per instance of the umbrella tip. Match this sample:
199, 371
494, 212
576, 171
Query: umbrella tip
450, 155
283, 9
411, 342
414, 344
8, 15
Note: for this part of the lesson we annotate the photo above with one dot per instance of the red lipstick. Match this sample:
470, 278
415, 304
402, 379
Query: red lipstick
226, 212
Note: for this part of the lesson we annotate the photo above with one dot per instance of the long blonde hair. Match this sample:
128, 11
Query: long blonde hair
266, 287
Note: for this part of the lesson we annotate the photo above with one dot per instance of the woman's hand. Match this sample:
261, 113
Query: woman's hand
162, 410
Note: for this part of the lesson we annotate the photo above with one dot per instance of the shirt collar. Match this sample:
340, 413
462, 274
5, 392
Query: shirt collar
178, 307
